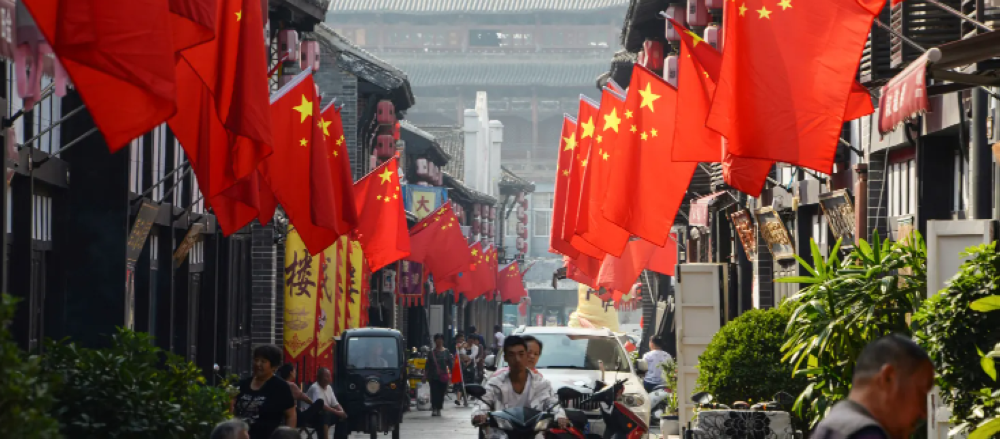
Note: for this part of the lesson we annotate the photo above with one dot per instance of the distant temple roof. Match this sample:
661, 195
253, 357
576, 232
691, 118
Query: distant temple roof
472, 6
510, 180
452, 70
367, 66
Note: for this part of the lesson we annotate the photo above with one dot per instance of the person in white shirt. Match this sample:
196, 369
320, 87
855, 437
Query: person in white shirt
323, 390
518, 387
653, 358
499, 339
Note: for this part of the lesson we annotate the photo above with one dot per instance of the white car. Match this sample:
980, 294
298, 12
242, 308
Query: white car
570, 357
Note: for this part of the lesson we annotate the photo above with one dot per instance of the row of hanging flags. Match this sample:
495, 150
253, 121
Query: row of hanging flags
780, 91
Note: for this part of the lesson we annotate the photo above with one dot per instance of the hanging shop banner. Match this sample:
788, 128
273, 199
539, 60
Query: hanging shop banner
904, 97
698, 210
355, 275
839, 212
743, 223
343, 286
411, 283
366, 291
422, 200
140, 231
190, 239
774, 233
326, 305
301, 276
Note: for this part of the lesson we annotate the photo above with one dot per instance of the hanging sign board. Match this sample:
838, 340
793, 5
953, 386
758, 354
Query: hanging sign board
839, 212
743, 223
192, 237
140, 231
774, 233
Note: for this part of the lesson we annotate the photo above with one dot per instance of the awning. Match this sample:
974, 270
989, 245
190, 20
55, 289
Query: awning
905, 96
698, 212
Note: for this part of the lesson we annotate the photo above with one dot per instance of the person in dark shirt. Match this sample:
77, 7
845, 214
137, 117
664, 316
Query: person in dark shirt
888, 396
265, 400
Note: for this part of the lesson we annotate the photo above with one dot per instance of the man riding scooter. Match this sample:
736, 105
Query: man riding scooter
517, 387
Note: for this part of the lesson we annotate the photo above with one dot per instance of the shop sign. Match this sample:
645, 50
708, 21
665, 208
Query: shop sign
192, 237
140, 231
775, 234
839, 212
904, 97
743, 223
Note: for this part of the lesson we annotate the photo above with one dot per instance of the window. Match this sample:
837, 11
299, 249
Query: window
135, 166
372, 353
542, 222
902, 188
541, 201
510, 229
580, 352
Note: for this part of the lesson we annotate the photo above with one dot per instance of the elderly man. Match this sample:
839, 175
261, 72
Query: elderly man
234, 429
888, 395
322, 390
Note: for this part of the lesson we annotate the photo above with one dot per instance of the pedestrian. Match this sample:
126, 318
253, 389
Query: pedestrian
285, 433
265, 401
477, 352
462, 354
290, 374
438, 373
321, 391
473, 334
888, 398
234, 429
498, 339
654, 358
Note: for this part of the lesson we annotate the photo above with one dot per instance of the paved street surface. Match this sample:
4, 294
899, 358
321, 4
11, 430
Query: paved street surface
454, 423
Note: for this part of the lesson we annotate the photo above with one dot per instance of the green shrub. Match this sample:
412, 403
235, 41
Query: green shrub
743, 360
958, 338
25, 390
132, 390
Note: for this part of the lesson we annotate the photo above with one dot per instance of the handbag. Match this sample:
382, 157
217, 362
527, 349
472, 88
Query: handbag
441, 374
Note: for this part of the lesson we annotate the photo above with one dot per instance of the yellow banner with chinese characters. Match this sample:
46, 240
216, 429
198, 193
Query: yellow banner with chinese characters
327, 303
356, 277
300, 273
342, 286
424, 202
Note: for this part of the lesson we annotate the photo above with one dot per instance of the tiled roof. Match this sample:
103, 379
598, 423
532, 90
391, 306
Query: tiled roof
430, 142
467, 192
367, 66
452, 141
449, 70
509, 179
472, 6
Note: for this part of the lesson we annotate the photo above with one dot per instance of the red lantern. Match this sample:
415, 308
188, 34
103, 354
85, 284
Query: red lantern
493, 212
395, 131
310, 55
423, 170
713, 36
385, 147
522, 231
520, 244
697, 13
385, 113
652, 55
714, 4
477, 210
670, 70
288, 45
475, 226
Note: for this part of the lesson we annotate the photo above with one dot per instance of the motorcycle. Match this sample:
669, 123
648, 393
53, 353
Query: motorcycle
415, 368
512, 423
658, 400
619, 421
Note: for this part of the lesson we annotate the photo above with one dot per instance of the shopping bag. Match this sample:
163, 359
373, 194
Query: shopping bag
423, 397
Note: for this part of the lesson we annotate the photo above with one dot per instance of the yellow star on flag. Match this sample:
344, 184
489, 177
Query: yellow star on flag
305, 109
387, 199
385, 176
570, 142
695, 38
588, 129
335, 153
652, 132
633, 129
239, 15
340, 141
583, 162
764, 13
565, 173
628, 114
611, 120
600, 138
785, 4
743, 10
475, 252
643, 135
324, 125
605, 156
378, 197
303, 142
648, 97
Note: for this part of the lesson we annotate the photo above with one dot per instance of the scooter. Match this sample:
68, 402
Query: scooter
512, 423
658, 399
619, 421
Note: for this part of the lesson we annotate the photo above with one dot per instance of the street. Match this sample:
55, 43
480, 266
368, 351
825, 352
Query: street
454, 423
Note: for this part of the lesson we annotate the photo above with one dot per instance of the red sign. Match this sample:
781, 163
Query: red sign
698, 211
904, 97
539, 320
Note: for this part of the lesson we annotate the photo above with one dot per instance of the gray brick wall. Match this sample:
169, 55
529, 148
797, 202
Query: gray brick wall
263, 300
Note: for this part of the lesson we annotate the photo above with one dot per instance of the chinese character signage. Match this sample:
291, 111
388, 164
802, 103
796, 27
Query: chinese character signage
140, 231
774, 233
301, 275
192, 237
744, 229
411, 283
422, 200
839, 212
355, 276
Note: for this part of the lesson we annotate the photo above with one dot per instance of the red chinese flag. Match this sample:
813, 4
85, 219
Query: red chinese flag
621, 273
591, 225
768, 103
510, 284
382, 222
646, 187
192, 22
225, 122
698, 70
120, 56
332, 177
289, 169
484, 273
585, 132
437, 242
574, 273
567, 145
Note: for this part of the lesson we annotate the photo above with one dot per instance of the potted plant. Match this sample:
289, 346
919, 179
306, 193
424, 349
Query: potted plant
669, 421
